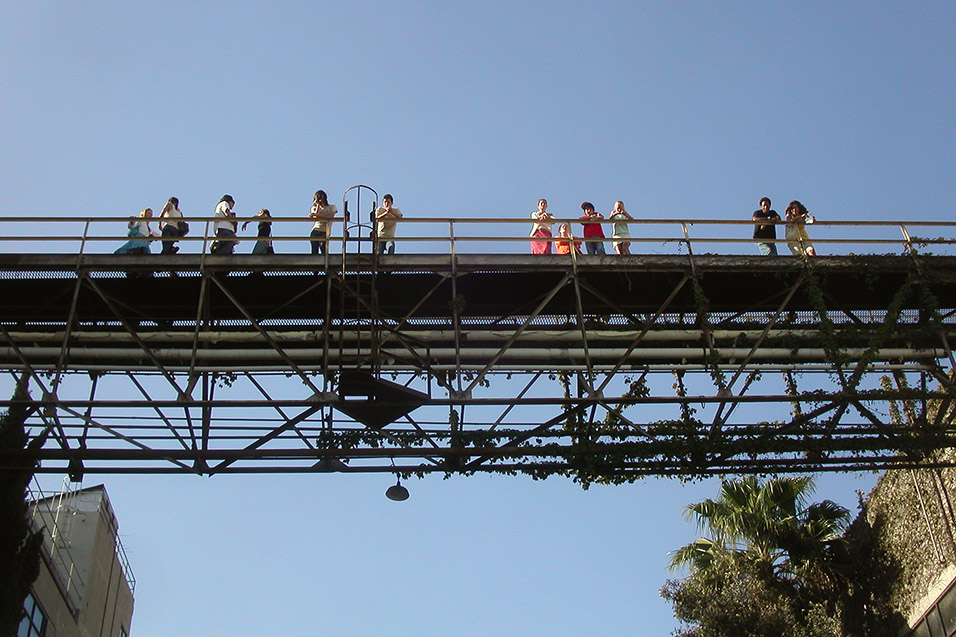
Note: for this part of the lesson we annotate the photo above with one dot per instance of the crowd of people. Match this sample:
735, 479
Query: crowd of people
593, 234
172, 227
765, 230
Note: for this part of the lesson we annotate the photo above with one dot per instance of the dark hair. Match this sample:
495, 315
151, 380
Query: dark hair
763, 199
174, 201
227, 198
799, 206
321, 196
587, 205
389, 197
265, 212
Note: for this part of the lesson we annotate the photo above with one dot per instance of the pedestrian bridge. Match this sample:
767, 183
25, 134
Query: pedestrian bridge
463, 353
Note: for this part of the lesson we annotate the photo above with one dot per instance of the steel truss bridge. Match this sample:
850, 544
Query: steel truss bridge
601, 368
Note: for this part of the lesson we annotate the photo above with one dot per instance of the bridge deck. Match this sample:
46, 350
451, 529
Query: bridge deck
289, 287
231, 363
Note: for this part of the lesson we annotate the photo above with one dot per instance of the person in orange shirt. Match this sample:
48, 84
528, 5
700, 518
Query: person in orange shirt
566, 243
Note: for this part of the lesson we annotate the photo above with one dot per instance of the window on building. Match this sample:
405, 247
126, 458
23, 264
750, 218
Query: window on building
940, 619
33, 623
947, 609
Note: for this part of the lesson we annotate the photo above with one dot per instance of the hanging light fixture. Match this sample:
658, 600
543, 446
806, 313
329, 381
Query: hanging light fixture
397, 492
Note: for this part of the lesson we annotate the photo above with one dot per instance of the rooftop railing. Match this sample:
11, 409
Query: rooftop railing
54, 514
446, 235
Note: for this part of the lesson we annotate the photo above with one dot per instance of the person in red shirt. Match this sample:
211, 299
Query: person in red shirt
592, 229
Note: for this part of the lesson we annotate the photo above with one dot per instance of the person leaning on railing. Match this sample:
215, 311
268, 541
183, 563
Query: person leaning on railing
591, 220
322, 211
765, 228
386, 216
541, 230
797, 238
620, 235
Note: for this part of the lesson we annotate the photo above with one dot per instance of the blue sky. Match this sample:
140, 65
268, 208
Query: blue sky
468, 110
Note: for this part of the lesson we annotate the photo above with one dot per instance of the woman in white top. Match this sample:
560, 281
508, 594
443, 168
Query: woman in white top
225, 225
796, 232
541, 230
138, 231
386, 217
322, 212
172, 226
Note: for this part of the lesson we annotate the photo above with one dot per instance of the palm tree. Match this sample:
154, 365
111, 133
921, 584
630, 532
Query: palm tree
770, 527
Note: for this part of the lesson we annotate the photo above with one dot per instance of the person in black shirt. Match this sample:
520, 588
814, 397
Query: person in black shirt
764, 230
264, 234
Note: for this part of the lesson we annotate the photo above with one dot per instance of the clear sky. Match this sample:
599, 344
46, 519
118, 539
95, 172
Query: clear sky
472, 110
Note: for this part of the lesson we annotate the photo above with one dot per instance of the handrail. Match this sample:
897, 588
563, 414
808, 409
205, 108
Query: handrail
98, 235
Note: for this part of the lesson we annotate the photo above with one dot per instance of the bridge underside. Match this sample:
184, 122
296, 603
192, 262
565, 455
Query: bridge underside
603, 368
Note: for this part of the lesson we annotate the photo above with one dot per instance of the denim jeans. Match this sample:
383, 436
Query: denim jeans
225, 242
767, 248
319, 240
169, 232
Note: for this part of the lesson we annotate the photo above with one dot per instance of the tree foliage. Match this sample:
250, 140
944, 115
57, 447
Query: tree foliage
19, 546
732, 598
773, 565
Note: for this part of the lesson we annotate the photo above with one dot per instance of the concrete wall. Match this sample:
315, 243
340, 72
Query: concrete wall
910, 519
82, 586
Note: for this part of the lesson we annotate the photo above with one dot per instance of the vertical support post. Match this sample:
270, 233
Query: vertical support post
86, 232
451, 237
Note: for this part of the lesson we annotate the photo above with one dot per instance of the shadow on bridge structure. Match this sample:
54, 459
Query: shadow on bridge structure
602, 368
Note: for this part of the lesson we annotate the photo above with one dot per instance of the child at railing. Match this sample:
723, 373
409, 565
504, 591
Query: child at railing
620, 233
592, 229
565, 243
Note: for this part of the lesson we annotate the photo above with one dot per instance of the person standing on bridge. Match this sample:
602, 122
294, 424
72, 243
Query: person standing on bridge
264, 233
225, 227
139, 233
764, 228
619, 232
386, 216
541, 230
593, 230
172, 226
322, 212
797, 238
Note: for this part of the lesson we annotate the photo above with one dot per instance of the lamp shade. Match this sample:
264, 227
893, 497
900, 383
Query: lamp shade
397, 492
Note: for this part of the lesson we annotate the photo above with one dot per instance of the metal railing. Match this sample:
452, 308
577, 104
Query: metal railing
458, 235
